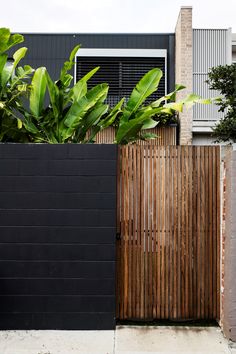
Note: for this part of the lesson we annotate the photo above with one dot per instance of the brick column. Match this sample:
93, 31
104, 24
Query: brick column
184, 68
229, 299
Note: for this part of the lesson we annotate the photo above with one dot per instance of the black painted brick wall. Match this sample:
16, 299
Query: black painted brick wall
57, 236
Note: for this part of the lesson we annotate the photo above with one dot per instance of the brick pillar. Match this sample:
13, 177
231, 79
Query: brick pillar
229, 299
184, 68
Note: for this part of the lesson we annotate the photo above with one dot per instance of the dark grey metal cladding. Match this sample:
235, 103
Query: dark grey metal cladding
57, 236
51, 50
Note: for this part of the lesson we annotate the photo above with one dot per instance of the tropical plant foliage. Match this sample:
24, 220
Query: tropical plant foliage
223, 79
75, 113
71, 112
13, 86
137, 118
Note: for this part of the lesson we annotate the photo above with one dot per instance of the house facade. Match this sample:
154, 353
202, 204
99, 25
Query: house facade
184, 56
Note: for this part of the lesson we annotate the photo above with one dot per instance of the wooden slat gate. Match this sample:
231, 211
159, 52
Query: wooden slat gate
169, 226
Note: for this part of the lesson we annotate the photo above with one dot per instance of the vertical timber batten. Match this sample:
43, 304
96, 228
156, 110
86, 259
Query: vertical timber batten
172, 271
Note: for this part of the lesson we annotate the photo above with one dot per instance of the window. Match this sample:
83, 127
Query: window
121, 69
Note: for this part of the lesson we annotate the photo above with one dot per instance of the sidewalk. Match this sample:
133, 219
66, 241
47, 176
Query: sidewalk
124, 340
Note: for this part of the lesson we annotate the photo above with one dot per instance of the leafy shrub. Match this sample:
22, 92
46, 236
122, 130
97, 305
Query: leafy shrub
223, 79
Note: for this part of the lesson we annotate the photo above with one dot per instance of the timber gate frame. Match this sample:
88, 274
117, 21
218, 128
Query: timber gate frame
168, 249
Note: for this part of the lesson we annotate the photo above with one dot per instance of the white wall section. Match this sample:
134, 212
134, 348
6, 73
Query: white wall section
211, 47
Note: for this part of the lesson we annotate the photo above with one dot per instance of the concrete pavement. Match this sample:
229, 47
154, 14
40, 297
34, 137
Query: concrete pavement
124, 340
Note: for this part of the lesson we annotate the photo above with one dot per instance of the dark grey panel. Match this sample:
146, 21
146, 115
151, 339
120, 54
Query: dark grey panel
87, 184
73, 286
15, 167
67, 234
57, 152
57, 252
59, 304
51, 50
71, 321
54, 269
57, 236
57, 200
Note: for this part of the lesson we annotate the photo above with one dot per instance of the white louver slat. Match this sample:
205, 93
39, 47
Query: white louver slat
210, 49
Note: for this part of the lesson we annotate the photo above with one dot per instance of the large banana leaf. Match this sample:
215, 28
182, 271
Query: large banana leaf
7, 40
79, 108
175, 106
30, 126
5, 75
68, 65
67, 81
14, 39
18, 55
192, 98
37, 93
4, 38
73, 53
80, 88
187, 102
90, 119
109, 120
169, 96
149, 124
54, 95
146, 86
3, 60
21, 73
128, 130
145, 135
7, 71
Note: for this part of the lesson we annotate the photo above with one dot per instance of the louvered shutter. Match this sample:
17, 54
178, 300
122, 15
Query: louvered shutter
121, 73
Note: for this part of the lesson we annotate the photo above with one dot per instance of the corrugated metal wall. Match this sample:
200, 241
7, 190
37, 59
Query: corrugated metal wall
210, 48
51, 50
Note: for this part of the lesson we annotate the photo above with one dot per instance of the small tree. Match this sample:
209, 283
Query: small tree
223, 79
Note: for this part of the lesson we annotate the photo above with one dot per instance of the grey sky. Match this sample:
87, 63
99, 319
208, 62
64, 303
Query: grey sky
112, 15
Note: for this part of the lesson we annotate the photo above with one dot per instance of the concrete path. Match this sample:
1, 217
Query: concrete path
125, 340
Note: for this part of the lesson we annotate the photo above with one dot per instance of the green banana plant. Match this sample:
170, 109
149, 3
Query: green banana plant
136, 118
13, 86
75, 114
72, 111
8, 40
105, 122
